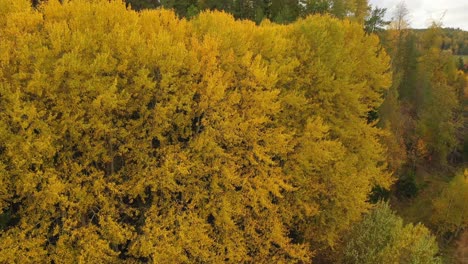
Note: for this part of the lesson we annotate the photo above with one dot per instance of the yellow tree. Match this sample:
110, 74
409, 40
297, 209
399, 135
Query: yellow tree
137, 136
339, 78
138, 139
450, 209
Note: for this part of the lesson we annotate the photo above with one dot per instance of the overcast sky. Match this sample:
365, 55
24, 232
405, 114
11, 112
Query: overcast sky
454, 13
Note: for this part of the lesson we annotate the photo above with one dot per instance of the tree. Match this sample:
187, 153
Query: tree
437, 120
317, 7
140, 137
381, 237
400, 17
284, 11
450, 208
143, 4
374, 21
461, 64
334, 103
123, 173
356, 10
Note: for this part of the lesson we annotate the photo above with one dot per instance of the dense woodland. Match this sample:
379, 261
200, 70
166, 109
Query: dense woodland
229, 132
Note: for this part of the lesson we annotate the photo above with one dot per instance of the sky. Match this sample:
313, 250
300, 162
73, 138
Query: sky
452, 13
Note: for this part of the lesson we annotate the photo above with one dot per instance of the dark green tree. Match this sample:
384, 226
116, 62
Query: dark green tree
143, 4
375, 21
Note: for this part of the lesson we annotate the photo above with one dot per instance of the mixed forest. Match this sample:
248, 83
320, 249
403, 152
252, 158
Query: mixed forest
247, 131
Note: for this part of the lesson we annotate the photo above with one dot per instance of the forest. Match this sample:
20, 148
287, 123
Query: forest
246, 131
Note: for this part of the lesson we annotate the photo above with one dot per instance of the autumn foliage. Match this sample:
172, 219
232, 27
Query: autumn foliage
137, 136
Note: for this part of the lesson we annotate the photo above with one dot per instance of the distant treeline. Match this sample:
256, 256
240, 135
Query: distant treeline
453, 39
279, 11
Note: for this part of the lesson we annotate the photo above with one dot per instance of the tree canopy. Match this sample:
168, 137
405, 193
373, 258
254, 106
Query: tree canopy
381, 237
137, 136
